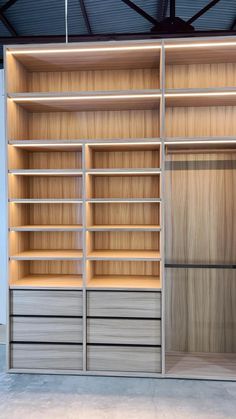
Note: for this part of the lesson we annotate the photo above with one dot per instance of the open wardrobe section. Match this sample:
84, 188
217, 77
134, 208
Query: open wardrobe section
122, 208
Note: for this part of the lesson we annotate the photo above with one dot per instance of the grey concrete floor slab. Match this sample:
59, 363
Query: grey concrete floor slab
26, 396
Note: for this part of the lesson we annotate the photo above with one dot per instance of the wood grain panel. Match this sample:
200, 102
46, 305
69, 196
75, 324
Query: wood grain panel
124, 331
195, 364
118, 358
115, 58
19, 130
124, 304
131, 240
46, 329
43, 187
140, 186
126, 268
112, 159
124, 214
46, 356
200, 75
75, 81
200, 226
93, 125
201, 310
48, 303
200, 121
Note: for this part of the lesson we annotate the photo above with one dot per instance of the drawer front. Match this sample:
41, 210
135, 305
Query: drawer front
46, 329
124, 331
43, 356
123, 359
124, 304
47, 303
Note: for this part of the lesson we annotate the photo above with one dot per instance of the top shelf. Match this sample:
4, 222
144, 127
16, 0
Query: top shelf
87, 101
87, 56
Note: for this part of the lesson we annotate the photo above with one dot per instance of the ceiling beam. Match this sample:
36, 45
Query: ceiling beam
15, 40
162, 9
140, 11
203, 11
6, 6
85, 16
7, 24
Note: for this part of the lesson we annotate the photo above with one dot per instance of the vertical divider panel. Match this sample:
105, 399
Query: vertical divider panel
162, 203
84, 150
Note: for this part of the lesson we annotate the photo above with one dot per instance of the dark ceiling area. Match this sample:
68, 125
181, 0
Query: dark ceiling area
40, 21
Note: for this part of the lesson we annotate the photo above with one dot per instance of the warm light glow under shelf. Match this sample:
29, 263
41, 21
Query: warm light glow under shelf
93, 97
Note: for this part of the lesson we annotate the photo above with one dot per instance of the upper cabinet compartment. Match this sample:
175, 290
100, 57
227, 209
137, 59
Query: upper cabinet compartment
200, 63
84, 67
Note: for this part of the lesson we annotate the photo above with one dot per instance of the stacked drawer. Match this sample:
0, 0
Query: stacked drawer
46, 329
124, 331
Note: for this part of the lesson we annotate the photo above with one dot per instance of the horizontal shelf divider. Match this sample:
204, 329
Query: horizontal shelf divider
46, 201
121, 172
46, 172
87, 141
48, 255
201, 265
47, 228
122, 200
124, 228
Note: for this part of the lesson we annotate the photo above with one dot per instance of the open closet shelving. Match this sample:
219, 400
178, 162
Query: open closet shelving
102, 140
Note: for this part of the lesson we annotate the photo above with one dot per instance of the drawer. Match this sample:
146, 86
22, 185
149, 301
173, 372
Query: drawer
46, 356
47, 303
123, 359
46, 329
124, 304
124, 331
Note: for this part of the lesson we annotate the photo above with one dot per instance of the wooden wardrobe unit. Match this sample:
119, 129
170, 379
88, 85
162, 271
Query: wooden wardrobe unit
122, 208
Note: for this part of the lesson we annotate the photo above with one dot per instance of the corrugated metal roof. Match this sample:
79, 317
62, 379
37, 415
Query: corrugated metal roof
47, 17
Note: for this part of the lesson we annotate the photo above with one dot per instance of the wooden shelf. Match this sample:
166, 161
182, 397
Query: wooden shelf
124, 254
124, 172
200, 97
48, 255
123, 282
88, 101
201, 365
122, 200
47, 145
124, 227
47, 227
48, 281
46, 172
46, 201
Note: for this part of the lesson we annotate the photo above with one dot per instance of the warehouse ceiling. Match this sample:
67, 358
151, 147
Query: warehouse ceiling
36, 21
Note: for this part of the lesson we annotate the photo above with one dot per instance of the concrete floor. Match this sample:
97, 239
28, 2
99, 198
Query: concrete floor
25, 396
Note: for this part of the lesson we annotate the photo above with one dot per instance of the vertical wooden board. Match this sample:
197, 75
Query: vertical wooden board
212, 121
201, 310
93, 125
200, 208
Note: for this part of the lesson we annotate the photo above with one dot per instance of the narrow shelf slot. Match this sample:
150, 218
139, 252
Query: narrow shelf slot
124, 254
123, 274
44, 274
46, 227
48, 255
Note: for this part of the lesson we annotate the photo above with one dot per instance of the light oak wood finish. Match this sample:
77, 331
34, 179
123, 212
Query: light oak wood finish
123, 156
200, 75
114, 214
112, 79
46, 356
45, 214
126, 186
46, 329
123, 358
122, 282
94, 125
48, 281
30, 159
88, 101
187, 122
112, 56
47, 303
199, 224
124, 304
